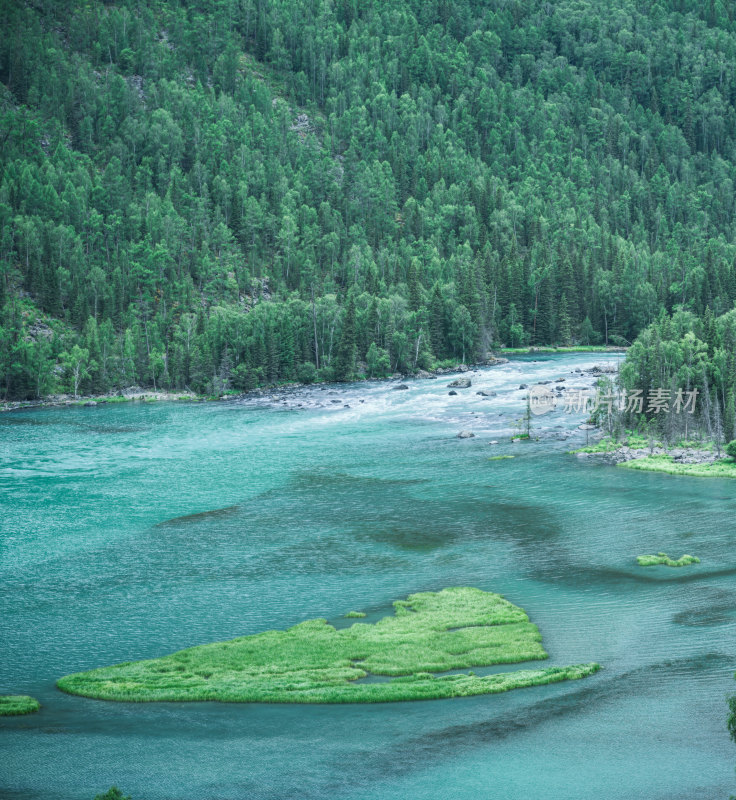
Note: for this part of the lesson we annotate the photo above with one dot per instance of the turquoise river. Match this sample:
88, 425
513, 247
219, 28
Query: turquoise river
330, 499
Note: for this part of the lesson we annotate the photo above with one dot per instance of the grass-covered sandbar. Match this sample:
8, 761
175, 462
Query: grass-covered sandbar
313, 662
13, 705
662, 559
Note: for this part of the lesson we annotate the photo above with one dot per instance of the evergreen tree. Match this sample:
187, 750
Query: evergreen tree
182, 187
345, 361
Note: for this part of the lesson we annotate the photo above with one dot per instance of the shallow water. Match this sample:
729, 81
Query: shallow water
131, 531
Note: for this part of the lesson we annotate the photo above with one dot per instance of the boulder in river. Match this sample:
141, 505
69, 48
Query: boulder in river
452, 392
523, 386
484, 393
461, 383
400, 386
465, 435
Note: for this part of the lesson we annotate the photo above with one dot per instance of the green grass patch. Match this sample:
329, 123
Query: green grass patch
637, 441
500, 458
603, 446
664, 560
354, 615
12, 705
430, 632
609, 445
694, 444
725, 468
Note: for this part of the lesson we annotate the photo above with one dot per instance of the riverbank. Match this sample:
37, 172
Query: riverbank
717, 468
139, 394
583, 348
130, 395
699, 461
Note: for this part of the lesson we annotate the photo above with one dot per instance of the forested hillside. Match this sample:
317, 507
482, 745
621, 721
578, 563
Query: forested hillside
224, 193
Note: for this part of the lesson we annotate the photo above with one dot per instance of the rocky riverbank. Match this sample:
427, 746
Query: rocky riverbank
137, 393
131, 394
694, 462
677, 455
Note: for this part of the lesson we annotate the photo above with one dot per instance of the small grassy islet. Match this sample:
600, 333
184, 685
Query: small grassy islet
313, 662
355, 615
664, 560
13, 705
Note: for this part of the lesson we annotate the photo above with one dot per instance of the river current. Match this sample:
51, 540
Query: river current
130, 531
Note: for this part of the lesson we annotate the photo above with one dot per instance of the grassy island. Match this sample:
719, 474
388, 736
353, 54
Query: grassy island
665, 560
355, 615
430, 632
13, 705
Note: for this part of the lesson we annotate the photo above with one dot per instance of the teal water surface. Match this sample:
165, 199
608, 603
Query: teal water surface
108, 553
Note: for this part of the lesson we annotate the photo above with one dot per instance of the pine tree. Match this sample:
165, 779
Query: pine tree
413, 283
437, 322
564, 334
543, 329
345, 361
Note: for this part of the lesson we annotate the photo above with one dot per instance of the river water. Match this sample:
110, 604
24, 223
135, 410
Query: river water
108, 554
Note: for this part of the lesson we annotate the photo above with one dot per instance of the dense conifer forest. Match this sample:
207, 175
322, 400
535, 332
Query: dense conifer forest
222, 194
